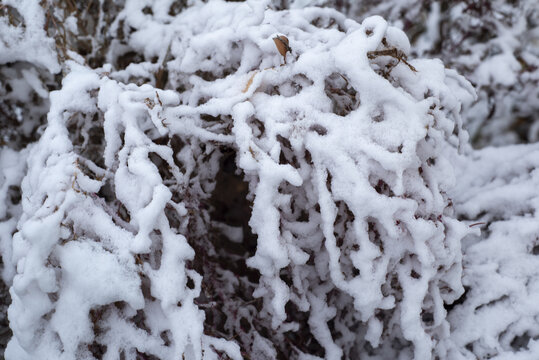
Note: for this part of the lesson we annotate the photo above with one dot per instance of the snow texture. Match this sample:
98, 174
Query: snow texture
497, 316
492, 43
378, 231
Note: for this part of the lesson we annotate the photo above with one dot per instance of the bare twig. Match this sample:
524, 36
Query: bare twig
399, 55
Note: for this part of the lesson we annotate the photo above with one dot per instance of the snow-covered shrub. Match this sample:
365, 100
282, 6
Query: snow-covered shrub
23, 36
27, 64
497, 316
100, 271
320, 139
495, 45
35, 39
12, 167
492, 43
121, 253
503, 69
27, 61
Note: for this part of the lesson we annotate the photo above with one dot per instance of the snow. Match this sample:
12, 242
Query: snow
29, 42
503, 198
372, 227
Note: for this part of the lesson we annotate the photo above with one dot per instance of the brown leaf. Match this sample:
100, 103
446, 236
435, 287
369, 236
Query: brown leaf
281, 42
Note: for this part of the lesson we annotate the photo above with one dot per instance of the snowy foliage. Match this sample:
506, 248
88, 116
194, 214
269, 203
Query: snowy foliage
492, 43
231, 180
72, 239
498, 315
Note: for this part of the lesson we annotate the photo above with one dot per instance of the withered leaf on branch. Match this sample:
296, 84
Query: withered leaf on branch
281, 42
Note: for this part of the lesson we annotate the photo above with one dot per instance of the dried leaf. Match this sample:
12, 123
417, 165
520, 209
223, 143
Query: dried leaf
281, 42
250, 82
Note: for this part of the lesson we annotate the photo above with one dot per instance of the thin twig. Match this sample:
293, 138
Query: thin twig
393, 53
478, 223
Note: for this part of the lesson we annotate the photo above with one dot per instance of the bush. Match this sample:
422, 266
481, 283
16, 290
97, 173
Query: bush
225, 180
492, 43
